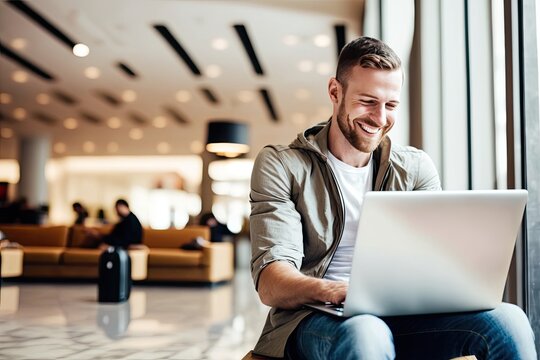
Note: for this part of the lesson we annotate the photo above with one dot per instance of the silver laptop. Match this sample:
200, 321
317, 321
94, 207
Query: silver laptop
428, 252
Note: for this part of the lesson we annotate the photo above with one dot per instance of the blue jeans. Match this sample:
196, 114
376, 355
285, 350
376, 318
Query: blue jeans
502, 333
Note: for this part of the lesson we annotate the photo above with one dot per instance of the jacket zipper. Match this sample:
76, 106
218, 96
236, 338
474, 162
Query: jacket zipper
384, 178
342, 225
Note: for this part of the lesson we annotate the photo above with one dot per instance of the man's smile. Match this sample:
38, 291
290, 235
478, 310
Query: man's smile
370, 129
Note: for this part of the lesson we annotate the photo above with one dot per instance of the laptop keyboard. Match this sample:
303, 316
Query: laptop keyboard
334, 306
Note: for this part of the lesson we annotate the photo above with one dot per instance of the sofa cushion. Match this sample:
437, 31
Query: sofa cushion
172, 258
74, 256
173, 238
42, 254
34, 235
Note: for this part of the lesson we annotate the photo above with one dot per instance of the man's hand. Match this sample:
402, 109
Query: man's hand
334, 291
282, 285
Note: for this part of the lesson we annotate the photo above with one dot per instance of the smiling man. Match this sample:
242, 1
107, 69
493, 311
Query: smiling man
306, 201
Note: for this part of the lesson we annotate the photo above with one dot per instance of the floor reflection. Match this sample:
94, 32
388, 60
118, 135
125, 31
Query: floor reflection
114, 319
65, 321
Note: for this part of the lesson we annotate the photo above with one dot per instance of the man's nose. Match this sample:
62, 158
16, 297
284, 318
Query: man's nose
378, 115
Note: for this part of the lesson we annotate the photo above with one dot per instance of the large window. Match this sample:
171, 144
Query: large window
474, 99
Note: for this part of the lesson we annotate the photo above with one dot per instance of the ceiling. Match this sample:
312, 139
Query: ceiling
164, 109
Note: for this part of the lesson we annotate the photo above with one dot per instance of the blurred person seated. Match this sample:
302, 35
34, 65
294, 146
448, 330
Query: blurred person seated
81, 213
11, 213
102, 218
127, 232
217, 229
19, 212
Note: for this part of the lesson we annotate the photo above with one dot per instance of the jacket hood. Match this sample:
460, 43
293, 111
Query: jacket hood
314, 139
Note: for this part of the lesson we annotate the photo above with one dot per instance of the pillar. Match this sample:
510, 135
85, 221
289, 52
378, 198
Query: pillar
33, 156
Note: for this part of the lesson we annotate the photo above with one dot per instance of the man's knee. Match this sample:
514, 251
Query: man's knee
510, 331
511, 318
367, 335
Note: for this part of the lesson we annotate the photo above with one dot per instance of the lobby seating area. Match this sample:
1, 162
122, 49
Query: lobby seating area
55, 252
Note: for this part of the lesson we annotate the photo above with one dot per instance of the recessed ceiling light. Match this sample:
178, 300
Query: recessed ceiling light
163, 147
160, 122
71, 123
291, 40
324, 68
6, 133
305, 65
302, 94
129, 96
321, 40
299, 118
19, 76
220, 44
5, 98
19, 43
92, 72
213, 71
113, 147
43, 99
246, 96
89, 147
136, 134
183, 96
114, 122
19, 113
196, 147
59, 148
81, 50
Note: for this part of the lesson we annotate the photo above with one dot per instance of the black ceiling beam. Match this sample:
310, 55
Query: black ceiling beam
127, 70
242, 33
45, 118
27, 64
176, 115
267, 100
39, 19
65, 98
109, 98
209, 95
178, 49
91, 118
138, 119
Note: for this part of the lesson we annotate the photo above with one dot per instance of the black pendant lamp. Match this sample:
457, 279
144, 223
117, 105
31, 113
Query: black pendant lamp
227, 138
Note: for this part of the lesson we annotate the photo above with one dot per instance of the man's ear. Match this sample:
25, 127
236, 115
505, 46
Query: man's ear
334, 90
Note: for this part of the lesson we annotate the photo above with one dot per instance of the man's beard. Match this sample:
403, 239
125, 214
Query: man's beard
356, 139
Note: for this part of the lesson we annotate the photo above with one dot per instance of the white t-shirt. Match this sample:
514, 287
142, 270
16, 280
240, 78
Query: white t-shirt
354, 183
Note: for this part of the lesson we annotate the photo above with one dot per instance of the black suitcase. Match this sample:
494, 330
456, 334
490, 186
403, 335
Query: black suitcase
114, 283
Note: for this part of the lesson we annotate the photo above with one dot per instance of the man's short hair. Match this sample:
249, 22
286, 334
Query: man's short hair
368, 53
121, 202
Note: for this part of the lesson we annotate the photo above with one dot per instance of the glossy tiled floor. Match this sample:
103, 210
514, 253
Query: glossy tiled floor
64, 321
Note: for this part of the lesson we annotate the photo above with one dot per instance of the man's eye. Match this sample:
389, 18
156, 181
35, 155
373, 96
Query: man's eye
391, 106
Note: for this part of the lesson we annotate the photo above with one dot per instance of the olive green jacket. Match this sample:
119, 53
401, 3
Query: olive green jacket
297, 212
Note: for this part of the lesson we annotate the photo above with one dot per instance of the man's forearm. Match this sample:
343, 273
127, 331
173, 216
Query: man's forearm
282, 285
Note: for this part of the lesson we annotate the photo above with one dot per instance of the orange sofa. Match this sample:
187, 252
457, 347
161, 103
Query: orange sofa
48, 254
55, 252
167, 262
